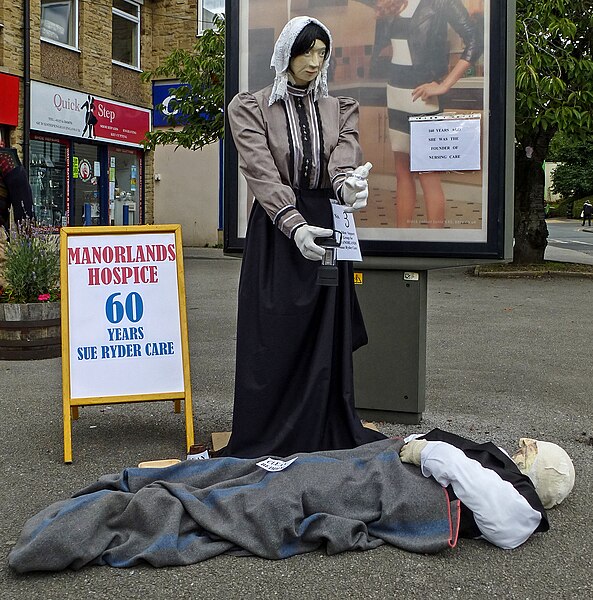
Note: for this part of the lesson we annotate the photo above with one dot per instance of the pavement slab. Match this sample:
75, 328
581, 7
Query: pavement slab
506, 358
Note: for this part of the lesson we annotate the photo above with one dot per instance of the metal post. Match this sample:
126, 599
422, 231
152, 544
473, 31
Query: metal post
27, 83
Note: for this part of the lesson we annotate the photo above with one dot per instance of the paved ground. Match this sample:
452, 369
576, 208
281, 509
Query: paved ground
505, 358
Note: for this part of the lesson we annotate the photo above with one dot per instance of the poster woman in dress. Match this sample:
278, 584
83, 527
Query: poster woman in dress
420, 74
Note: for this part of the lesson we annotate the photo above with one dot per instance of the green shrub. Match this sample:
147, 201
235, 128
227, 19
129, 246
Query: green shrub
32, 267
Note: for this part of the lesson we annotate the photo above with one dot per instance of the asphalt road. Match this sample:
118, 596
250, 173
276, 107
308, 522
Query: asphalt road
571, 235
505, 359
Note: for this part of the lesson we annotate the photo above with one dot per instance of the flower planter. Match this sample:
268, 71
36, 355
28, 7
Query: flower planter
30, 331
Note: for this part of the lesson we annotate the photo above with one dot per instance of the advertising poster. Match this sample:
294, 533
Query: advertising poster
385, 57
123, 315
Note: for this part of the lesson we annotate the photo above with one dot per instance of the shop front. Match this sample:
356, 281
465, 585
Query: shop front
86, 158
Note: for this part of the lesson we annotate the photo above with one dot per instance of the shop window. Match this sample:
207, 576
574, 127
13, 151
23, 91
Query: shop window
207, 9
125, 44
124, 187
48, 178
59, 22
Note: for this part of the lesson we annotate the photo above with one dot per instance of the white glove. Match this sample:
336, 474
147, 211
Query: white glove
355, 190
304, 238
410, 453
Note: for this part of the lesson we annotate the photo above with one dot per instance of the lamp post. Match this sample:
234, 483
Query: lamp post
26, 81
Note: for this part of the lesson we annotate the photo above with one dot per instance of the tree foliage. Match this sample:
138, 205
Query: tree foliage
554, 66
573, 177
554, 92
199, 103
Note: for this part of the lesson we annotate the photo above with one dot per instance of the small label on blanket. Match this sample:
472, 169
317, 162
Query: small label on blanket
273, 464
201, 456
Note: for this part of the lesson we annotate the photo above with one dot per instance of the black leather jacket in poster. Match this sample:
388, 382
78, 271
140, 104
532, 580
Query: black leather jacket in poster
428, 35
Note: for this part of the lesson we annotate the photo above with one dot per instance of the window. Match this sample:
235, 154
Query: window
59, 22
49, 181
207, 9
125, 45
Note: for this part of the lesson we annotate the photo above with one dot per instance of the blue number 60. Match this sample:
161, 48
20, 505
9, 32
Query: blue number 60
134, 308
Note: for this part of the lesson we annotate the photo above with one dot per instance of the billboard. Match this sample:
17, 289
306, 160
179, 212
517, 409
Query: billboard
443, 195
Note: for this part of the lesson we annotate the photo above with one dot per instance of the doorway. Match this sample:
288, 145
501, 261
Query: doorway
86, 170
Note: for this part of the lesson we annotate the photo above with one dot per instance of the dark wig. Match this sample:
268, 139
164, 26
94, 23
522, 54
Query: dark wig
306, 40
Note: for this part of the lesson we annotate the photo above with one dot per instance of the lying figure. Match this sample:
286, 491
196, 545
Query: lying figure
337, 500
503, 500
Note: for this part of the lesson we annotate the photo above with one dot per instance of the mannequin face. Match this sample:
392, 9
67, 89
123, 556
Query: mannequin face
305, 67
525, 456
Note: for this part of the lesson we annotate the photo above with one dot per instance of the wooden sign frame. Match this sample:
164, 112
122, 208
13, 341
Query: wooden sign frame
143, 272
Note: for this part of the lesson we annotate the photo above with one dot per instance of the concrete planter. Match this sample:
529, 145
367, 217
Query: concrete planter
30, 331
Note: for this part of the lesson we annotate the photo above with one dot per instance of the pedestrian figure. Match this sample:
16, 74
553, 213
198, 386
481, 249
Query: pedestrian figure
587, 213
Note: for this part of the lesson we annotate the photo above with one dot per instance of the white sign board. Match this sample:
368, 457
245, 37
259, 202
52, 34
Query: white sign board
445, 143
124, 323
124, 315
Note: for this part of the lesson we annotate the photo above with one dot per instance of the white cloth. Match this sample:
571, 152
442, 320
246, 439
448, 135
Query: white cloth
400, 53
304, 238
502, 515
281, 60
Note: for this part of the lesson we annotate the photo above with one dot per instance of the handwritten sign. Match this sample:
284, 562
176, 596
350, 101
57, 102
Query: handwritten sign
445, 143
344, 222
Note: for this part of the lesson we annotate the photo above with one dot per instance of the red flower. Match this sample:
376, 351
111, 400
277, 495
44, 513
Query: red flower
43, 297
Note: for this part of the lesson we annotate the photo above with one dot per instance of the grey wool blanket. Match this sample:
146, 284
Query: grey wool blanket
339, 500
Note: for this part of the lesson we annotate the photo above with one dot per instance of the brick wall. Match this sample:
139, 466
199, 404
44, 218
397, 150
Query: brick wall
174, 25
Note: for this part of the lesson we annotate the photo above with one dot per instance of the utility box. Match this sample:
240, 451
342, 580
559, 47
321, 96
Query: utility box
390, 371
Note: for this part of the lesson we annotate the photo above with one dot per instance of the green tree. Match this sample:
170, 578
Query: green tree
573, 177
554, 79
199, 119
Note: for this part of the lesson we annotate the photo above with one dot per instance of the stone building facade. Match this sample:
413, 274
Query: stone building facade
87, 109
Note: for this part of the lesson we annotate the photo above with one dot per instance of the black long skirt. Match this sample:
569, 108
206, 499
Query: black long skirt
294, 387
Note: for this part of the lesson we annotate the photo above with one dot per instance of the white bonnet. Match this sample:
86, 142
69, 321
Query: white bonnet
281, 59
